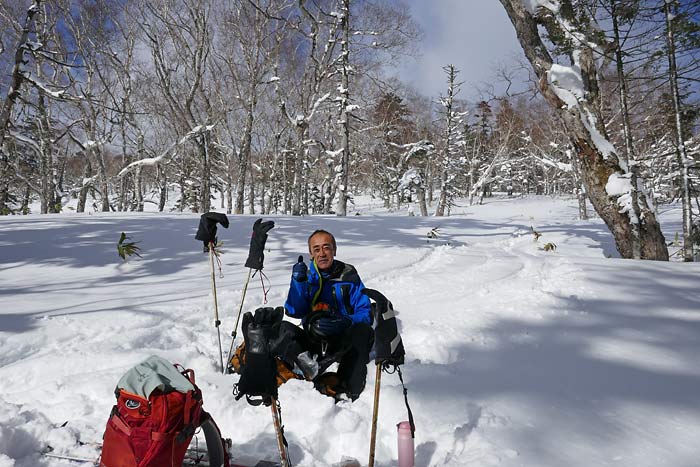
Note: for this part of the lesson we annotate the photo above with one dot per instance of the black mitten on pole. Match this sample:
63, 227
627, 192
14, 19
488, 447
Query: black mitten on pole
256, 254
207, 227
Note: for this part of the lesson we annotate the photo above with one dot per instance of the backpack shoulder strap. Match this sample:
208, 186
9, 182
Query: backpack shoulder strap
192, 409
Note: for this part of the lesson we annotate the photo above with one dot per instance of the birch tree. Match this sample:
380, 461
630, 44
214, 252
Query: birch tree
344, 102
573, 90
684, 161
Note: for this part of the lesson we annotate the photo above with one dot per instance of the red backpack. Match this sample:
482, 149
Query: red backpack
158, 409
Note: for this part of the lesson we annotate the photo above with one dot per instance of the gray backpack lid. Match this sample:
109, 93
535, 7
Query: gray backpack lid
154, 373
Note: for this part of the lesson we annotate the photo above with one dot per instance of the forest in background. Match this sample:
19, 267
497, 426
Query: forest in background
294, 106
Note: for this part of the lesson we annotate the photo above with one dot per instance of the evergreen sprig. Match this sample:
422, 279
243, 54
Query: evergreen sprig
126, 249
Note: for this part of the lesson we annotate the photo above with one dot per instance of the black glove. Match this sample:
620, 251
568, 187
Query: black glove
268, 316
299, 270
259, 373
207, 227
328, 325
256, 254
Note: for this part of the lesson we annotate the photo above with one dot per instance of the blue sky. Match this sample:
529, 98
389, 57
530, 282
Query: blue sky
474, 35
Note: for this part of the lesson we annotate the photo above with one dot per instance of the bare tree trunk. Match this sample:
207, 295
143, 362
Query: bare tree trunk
629, 161
598, 161
274, 185
430, 178
25, 200
183, 193
126, 179
286, 191
18, 78
420, 193
47, 161
82, 197
138, 188
298, 180
578, 188
138, 185
205, 195
244, 153
251, 195
229, 182
342, 207
102, 176
681, 152
163, 182
4, 183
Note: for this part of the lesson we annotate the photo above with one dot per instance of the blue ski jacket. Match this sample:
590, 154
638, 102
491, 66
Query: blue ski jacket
338, 290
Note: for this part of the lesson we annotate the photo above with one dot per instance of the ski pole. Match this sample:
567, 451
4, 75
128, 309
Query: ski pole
217, 322
206, 232
238, 318
279, 432
375, 413
256, 256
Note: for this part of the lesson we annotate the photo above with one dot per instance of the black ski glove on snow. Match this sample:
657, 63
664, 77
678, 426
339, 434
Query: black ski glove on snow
299, 270
207, 227
256, 254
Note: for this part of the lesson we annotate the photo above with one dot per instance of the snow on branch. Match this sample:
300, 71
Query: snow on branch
150, 161
621, 185
334, 153
316, 105
419, 148
43, 87
410, 178
533, 5
551, 163
26, 140
567, 83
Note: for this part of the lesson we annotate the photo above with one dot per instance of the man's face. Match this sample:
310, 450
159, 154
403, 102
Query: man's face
321, 250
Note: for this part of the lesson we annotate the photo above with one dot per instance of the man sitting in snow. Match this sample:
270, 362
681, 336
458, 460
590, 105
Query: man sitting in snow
335, 315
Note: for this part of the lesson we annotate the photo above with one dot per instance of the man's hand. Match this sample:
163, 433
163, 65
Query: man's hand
326, 325
299, 271
333, 325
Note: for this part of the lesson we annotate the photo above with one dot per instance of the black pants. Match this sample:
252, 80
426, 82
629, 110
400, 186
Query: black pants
352, 370
351, 350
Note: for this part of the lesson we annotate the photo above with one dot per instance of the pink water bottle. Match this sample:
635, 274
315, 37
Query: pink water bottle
406, 458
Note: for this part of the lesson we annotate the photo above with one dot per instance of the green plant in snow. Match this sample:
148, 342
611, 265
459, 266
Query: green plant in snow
126, 249
549, 246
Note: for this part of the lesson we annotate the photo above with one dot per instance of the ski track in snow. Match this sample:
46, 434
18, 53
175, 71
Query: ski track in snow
487, 272
489, 320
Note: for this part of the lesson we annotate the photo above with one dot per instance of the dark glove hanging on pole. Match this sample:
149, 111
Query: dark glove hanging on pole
207, 227
299, 270
256, 254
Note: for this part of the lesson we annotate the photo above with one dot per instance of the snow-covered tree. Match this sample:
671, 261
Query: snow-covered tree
448, 155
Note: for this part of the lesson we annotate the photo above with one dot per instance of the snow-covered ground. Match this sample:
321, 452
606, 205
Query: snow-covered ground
516, 356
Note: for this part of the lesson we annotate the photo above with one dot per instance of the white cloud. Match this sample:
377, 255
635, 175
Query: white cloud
473, 35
